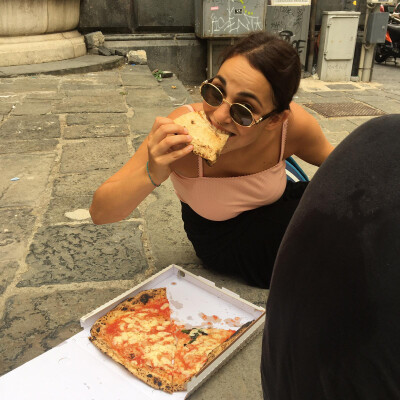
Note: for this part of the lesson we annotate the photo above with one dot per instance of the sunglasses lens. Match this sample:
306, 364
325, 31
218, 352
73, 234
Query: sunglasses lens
241, 115
211, 95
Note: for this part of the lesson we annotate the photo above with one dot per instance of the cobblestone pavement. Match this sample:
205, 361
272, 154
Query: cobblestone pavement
60, 137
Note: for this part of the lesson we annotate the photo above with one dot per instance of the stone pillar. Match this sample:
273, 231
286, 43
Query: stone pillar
34, 32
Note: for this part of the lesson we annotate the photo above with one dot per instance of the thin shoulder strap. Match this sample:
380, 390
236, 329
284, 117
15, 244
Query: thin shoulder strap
200, 166
283, 140
189, 106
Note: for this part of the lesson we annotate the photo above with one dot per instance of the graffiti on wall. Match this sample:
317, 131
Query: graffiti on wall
288, 22
298, 44
239, 19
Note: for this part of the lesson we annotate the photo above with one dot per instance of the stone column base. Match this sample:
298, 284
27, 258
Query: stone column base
22, 50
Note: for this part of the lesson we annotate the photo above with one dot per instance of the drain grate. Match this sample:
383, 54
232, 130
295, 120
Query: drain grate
344, 109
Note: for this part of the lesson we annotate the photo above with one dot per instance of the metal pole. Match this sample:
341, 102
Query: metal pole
367, 50
312, 36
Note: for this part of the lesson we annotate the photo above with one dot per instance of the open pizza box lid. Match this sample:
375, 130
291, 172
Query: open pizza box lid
77, 369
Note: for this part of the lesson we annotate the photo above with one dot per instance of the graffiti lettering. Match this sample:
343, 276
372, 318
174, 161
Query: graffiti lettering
288, 36
235, 23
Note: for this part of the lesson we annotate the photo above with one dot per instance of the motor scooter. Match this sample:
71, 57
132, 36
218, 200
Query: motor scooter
391, 47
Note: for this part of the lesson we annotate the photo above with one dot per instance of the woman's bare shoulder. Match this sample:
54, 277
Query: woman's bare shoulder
301, 121
185, 109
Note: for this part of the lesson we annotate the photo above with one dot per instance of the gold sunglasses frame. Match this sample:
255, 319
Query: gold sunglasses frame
254, 121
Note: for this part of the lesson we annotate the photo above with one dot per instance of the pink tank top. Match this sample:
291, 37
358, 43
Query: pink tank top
219, 199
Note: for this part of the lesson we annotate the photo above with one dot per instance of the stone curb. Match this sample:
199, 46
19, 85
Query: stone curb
79, 65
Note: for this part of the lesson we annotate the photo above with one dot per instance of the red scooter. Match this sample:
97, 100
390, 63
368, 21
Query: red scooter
391, 47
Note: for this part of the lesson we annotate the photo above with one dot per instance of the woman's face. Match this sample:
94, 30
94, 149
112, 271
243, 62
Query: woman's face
239, 82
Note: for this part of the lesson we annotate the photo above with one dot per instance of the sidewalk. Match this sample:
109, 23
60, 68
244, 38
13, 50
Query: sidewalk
60, 137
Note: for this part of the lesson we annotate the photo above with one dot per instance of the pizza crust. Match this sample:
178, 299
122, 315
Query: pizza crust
208, 141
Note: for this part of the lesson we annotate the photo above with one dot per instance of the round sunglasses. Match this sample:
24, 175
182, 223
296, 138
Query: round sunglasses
240, 114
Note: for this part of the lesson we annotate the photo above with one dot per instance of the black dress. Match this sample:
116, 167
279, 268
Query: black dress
333, 313
246, 245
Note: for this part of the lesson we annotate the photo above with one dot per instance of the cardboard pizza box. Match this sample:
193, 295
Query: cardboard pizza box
77, 369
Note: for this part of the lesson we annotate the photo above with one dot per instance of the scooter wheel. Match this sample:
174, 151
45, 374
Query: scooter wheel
380, 57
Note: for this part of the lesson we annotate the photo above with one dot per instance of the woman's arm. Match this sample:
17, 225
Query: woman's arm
119, 195
309, 142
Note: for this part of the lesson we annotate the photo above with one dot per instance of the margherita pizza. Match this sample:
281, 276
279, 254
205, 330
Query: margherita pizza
140, 334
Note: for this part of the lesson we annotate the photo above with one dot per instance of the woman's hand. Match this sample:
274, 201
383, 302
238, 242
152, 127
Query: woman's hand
167, 142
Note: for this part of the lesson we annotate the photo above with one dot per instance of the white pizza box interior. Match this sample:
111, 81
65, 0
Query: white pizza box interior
76, 369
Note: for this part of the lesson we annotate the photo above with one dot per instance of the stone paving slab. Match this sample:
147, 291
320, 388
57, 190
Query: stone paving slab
29, 84
52, 95
91, 91
97, 119
143, 120
335, 124
7, 273
136, 70
106, 79
6, 108
17, 225
87, 88
34, 322
94, 131
62, 209
150, 98
83, 184
85, 253
72, 208
33, 107
89, 155
27, 146
78, 104
177, 92
139, 81
33, 171
170, 243
31, 127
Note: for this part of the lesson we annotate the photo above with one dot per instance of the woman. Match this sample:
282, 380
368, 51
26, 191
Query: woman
235, 212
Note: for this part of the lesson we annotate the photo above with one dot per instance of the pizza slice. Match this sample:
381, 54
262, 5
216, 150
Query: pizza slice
195, 349
140, 335
208, 141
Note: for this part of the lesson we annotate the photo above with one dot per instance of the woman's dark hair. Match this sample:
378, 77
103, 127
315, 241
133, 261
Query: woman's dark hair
276, 59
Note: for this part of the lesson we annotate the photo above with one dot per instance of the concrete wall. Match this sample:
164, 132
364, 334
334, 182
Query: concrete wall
108, 16
164, 15
129, 16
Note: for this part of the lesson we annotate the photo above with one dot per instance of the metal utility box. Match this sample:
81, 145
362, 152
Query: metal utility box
292, 23
337, 45
228, 18
376, 27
